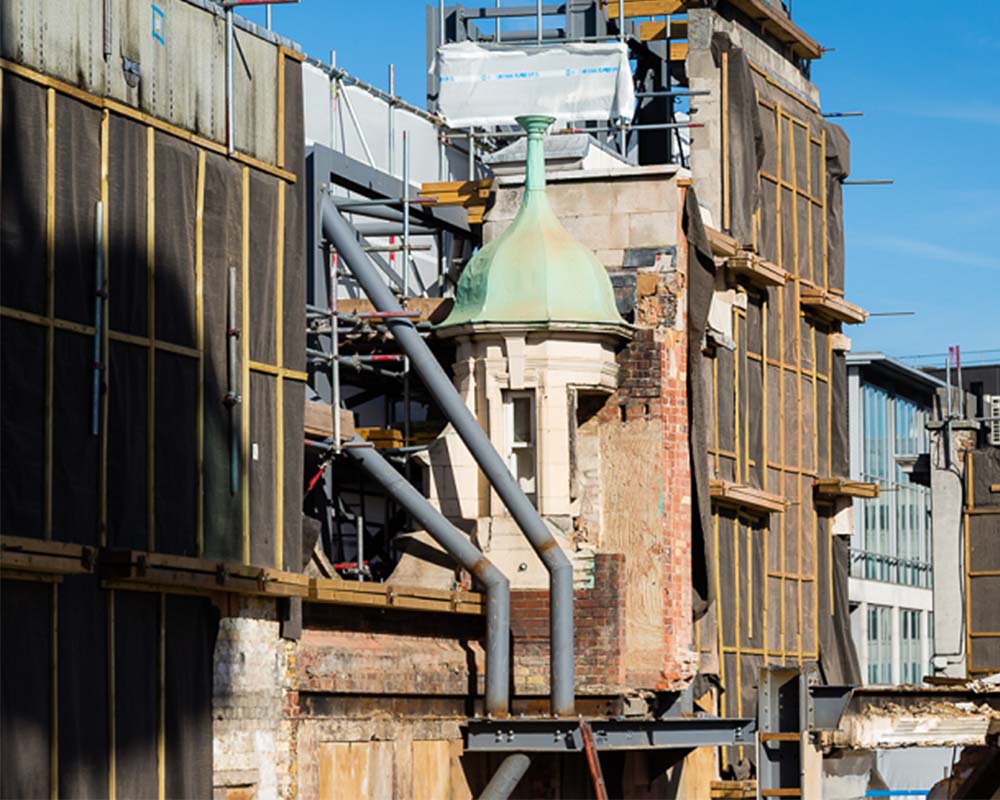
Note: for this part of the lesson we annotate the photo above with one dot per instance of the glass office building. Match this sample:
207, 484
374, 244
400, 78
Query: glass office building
892, 575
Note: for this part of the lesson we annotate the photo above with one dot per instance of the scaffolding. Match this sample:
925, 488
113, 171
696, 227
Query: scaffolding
655, 134
353, 364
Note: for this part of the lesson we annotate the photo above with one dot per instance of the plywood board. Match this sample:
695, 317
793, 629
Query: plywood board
431, 770
344, 771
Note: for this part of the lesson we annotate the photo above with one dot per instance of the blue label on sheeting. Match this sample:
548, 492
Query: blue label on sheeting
897, 793
159, 24
526, 75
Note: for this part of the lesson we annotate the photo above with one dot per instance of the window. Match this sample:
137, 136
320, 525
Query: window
910, 664
879, 645
895, 536
519, 408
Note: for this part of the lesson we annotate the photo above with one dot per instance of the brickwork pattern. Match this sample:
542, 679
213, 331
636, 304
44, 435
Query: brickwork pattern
653, 388
599, 620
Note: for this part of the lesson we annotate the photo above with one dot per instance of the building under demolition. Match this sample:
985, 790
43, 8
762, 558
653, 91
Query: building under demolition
351, 449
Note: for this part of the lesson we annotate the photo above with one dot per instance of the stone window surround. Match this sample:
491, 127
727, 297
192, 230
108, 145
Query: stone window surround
553, 364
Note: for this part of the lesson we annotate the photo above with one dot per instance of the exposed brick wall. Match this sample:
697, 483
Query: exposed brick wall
680, 663
678, 623
599, 618
366, 651
652, 397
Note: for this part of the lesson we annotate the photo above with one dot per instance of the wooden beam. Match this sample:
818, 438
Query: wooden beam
746, 497
831, 307
431, 309
656, 30
473, 196
756, 270
722, 244
737, 790
24, 554
840, 343
645, 8
295, 55
319, 421
780, 27
764, 736
384, 595
842, 487
157, 572
382, 437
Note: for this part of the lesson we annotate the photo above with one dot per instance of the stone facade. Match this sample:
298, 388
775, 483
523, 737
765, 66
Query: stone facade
629, 461
379, 699
610, 211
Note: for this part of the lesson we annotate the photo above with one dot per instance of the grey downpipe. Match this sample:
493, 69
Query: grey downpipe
341, 235
466, 554
507, 777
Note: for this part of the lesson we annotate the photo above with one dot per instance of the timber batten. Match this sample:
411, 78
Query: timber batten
23, 554
755, 270
829, 488
831, 307
746, 497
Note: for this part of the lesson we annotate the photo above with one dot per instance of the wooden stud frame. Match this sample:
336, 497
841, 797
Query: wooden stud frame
48, 320
971, 510
129, 112
788, 542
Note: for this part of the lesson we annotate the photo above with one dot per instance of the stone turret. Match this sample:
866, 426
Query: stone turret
536, 330
535, 273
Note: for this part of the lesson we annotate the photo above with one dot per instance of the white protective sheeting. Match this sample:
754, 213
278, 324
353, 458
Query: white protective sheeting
484, 85
328, 121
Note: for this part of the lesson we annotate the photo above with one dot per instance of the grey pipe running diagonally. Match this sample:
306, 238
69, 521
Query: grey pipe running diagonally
458, 546
341, 235
507, 777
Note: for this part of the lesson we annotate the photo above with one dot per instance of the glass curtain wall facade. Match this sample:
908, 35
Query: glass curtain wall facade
911, 664
895, 541
879, 645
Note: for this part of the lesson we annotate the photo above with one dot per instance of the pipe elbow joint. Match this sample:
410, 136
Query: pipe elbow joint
553, 557
560, 567
494, 580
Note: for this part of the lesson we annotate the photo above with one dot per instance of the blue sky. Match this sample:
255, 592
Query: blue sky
928, 80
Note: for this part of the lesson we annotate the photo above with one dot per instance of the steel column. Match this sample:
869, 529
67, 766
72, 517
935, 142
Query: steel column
340, 233
465, 553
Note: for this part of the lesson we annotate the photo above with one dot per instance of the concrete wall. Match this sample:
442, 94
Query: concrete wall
916, 769
947, 503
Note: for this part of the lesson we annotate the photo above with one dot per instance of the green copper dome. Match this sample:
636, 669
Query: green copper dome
535, 271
